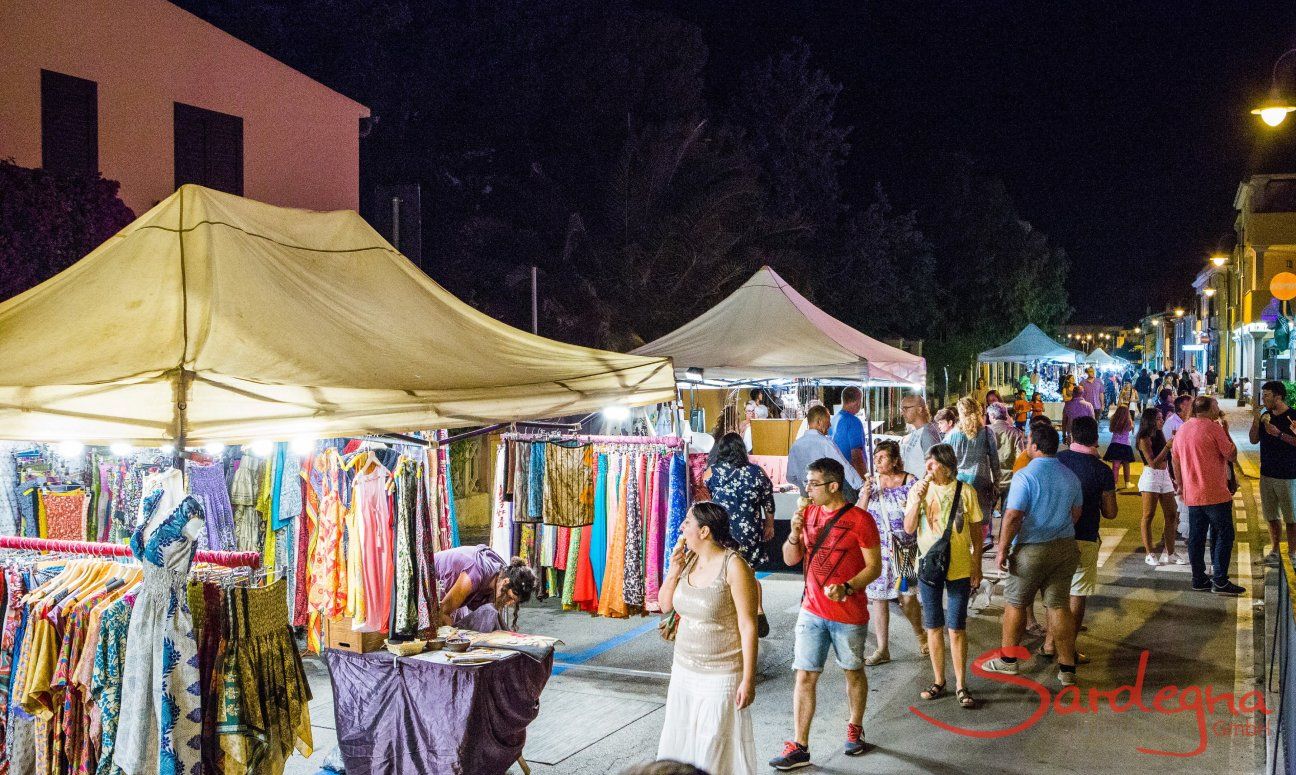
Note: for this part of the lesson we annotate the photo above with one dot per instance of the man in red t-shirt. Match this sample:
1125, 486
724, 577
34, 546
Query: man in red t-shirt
839, 542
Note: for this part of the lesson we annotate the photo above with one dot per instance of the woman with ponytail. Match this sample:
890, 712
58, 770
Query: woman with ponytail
713, 677
478, 585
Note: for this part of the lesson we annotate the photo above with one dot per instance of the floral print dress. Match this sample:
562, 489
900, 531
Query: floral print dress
887, 507
747, 494
160, 681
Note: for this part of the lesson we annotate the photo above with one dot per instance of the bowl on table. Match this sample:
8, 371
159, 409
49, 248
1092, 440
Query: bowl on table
457, 645
435, 644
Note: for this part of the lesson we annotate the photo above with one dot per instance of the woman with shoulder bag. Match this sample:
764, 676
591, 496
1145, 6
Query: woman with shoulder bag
945, 514
884, 497
977, 453
712, 591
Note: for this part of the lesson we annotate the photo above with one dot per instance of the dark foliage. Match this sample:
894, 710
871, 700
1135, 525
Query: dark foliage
48, 222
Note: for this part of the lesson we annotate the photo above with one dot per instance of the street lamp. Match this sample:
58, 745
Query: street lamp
1208, 292
1219, 260
1179, 312
1274, 110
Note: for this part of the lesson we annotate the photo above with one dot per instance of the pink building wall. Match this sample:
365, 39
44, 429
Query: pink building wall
300, 138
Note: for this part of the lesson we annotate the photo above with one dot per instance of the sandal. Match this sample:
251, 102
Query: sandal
966, 700
924, 649
1045, 654
934, 692
877, 658
1037, 630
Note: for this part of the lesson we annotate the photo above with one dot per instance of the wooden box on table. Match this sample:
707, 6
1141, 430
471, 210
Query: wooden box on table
339, 635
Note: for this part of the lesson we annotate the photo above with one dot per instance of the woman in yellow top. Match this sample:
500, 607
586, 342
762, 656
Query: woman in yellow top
930, 507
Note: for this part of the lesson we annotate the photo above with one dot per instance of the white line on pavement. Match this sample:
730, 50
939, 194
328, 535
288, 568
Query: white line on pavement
1241, 747
1109, 539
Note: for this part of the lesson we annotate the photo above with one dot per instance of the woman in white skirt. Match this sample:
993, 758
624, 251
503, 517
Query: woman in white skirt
713, 677
1156, 486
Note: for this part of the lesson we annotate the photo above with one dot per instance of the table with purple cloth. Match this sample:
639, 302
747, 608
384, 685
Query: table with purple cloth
398, 715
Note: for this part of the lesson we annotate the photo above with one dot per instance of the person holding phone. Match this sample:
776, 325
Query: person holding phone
713, 675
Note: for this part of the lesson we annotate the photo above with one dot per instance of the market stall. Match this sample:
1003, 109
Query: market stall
1047, 361
1103, 361
246, 366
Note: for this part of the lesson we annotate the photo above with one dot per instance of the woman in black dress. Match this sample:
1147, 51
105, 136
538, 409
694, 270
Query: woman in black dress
747, 493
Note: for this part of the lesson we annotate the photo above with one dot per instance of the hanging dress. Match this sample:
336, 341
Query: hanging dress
160, 685
596, 548
372, 515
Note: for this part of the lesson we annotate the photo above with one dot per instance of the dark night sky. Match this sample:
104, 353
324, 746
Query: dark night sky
1120, 128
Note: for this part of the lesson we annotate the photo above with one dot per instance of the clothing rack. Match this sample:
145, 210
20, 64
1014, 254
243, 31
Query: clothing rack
94, 549
647, 441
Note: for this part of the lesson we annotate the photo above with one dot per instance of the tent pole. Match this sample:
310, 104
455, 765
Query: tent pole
868, 428
181, 398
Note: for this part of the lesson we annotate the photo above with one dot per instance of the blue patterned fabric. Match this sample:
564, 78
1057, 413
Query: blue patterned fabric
678, 501
598, 532
536, 485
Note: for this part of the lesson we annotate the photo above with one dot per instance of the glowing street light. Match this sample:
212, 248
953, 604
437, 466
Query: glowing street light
1179, 312
1219, 260
1208, 292
1275, 109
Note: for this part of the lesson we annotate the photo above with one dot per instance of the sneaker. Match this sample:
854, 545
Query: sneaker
854, 741
1203, 587
1066, 679
1228, 589
999, 666
1271, 560
1151, 559
1178, 559
794, 757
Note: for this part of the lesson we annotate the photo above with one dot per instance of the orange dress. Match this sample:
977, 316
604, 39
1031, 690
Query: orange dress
612, 601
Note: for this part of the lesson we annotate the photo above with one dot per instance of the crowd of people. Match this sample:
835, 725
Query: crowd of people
972, 480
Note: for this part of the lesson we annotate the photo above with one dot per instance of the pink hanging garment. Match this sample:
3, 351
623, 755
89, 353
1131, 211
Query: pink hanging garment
371, 500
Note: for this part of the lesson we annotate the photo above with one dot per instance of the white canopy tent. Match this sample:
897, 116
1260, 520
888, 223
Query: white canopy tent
767, 331
1102, 359
1031, 345
214, 318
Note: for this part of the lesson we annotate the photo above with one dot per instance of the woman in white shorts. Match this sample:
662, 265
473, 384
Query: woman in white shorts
1156, 486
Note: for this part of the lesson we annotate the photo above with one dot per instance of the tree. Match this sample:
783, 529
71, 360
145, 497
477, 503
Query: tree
50, 221
995, 272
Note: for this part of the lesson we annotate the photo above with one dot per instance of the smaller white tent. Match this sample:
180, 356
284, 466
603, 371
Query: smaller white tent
1032, 344
765, 330
1101, 358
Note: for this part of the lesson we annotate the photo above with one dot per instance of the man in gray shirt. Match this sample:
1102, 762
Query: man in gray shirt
815, 444
925, 435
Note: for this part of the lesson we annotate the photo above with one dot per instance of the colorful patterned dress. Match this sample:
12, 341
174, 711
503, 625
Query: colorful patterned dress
160, 683
747, 494
887, 508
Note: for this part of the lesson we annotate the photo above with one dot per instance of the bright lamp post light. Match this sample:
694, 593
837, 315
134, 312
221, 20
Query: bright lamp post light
1208, 292
1275, 109
1219, 260
1179, 312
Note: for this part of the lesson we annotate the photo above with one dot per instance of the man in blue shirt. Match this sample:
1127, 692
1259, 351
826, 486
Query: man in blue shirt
1037, 547
848, 433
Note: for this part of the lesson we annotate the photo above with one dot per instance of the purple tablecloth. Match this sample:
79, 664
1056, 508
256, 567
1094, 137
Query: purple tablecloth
414, 716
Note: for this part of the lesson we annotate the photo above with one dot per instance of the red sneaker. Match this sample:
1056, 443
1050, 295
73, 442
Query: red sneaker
854, 740
794, 756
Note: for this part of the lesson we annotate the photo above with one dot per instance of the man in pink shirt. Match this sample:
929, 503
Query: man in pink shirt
1203, 461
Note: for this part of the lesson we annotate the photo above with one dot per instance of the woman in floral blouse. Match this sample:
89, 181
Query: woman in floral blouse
747, 494
884, 497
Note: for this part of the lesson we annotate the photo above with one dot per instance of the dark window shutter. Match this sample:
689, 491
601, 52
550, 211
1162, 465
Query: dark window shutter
208, 149
69, 124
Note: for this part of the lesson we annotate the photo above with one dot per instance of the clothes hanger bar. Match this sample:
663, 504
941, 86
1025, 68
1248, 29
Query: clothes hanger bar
95, 549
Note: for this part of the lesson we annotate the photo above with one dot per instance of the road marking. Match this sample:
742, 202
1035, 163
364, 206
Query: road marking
1241, 747
1241, 528
1109, 539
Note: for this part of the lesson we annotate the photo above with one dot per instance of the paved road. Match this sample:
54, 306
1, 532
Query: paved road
603, 705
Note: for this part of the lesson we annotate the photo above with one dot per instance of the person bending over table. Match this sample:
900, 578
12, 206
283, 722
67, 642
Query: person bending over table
478, 585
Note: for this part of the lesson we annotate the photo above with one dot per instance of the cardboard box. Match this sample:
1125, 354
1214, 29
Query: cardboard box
339, 635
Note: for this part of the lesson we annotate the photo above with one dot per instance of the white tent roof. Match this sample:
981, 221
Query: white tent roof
766, 330
277, 323
1032, 344
1101, 357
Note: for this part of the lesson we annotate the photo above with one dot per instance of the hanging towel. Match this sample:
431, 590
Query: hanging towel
537, 486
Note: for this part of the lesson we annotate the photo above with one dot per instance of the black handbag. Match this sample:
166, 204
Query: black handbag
934, 565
